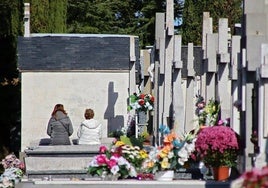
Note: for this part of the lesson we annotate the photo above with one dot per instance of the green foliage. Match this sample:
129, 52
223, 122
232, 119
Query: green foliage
126, 140
48, 16
136, 141
117, 17
11, 16
227, 158
193, 17
116, 134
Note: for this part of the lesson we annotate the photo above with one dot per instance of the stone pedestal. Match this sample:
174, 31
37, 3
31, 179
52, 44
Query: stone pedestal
142, 117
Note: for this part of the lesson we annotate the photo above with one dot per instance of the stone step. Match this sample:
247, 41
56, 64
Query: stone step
57, 183
61, 161
64, 167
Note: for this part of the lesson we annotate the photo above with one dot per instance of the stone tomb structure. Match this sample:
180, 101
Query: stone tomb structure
79, 71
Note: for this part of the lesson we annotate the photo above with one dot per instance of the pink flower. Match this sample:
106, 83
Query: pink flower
111, 163
22, 166
101, 159
216, 141
103, 149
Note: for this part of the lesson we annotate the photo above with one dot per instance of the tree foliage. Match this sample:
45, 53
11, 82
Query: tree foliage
134, 17
193, 16
10, 27
48, 16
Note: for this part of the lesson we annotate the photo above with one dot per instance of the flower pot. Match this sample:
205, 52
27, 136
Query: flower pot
221, 173
167, 175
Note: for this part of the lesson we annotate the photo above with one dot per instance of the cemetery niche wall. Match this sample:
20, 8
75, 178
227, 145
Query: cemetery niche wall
79, 71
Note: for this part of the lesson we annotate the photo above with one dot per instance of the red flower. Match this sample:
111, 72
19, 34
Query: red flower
141, 102
142, 96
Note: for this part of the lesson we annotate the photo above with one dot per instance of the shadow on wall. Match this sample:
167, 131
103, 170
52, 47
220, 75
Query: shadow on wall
113, 122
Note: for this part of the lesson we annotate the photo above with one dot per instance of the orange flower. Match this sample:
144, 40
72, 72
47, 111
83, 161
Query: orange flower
150, 164
170, 137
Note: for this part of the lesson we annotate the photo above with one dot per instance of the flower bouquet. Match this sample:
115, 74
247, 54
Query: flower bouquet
13, 171
141, 102
120, 161
172, 154
208, 114
217, 146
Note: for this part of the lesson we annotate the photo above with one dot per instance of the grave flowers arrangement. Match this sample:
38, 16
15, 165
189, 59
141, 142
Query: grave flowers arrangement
13, 171
217, 146
121, 160
208, 114
172, 154
255, 178
141, 102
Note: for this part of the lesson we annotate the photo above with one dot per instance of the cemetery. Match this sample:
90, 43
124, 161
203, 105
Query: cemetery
187, 92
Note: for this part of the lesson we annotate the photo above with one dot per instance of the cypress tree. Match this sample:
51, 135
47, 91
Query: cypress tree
117, 17
11, 26
48, 16
193, 16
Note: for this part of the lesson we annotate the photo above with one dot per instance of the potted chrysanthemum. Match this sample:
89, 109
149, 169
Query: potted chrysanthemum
217, 146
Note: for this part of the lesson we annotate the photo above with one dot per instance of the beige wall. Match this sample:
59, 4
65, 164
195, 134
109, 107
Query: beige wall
105, 92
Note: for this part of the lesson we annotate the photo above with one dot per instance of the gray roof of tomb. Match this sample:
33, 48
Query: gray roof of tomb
51, 52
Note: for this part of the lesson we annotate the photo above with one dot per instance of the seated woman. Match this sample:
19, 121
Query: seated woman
59, 126
89, 131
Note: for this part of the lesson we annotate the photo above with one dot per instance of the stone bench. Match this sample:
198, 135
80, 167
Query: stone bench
61, 161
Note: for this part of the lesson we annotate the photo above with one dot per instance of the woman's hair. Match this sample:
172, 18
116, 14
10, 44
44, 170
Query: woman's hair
58, 107
89, 114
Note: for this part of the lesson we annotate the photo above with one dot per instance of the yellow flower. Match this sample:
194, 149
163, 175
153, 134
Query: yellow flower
163, 154
150, 164
143, 154
119, 143
165, 163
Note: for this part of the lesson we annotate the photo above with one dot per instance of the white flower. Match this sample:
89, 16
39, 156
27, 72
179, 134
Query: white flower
126, 151
150, 107
135, 153
170, 154
132, 172
190, 147
183, 153
181, 161
115, 169
6, 183
121, 160
94, 162
137, 147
